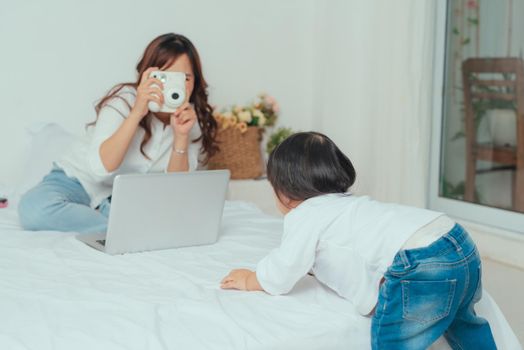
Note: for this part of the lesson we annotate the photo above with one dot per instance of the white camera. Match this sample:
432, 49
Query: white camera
174, 91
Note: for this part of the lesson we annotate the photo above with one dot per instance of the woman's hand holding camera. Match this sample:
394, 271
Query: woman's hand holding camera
149, 89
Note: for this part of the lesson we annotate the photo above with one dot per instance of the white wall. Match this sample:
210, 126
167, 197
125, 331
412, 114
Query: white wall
356, 70
359, 71
373, 77
58, 57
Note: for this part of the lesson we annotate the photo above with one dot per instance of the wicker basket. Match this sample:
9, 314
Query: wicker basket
239, 152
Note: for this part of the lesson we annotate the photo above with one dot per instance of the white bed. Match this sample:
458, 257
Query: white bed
57, 293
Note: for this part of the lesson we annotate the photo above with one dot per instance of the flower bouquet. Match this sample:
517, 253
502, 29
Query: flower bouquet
240, 131
262, 112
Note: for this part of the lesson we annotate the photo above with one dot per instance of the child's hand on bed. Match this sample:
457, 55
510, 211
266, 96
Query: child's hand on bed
242, 279
237, 279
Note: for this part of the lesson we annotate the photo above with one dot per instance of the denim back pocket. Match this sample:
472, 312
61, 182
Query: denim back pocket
427, 301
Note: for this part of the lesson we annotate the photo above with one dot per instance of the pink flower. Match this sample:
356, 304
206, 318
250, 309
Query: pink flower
276, 107
472, 4
269, 100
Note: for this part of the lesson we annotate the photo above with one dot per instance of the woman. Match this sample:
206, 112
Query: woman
126, 138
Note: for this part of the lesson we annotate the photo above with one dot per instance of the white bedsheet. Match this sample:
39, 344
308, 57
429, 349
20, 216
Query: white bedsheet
57, 293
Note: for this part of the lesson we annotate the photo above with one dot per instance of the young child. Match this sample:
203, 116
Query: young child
414, 270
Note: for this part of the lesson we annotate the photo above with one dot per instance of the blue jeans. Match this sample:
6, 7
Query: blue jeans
60, 203
429, 292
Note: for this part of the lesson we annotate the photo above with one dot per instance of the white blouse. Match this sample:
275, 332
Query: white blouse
83, 161
347, 241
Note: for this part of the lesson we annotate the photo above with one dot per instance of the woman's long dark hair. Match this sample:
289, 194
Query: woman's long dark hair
162, 52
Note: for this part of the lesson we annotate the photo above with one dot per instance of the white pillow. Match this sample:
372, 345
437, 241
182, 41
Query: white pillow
48, 143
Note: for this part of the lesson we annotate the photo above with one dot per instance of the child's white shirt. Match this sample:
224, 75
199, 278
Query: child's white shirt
83, 161
429, 233
347, 241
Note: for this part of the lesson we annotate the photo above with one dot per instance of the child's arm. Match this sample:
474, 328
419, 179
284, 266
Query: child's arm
242, 279
279, 271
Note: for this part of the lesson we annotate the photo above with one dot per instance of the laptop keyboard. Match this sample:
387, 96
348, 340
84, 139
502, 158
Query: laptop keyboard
102, 242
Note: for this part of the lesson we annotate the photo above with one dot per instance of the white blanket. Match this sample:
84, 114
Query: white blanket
57, 293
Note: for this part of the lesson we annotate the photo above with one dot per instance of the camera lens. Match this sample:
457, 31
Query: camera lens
175, 96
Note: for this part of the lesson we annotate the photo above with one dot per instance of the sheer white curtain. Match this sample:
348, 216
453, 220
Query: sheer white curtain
372, 83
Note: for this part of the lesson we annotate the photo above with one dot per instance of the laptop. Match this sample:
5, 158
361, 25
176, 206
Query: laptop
162, 211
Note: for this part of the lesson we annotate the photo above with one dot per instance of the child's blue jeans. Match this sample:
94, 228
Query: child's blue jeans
429, 292
60, 203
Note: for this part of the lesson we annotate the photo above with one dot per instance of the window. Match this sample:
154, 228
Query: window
478, 131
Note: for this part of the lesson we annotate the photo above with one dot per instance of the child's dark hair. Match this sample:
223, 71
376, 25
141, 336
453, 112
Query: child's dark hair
309, 164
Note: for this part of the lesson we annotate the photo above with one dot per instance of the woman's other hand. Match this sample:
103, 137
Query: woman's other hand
183, 119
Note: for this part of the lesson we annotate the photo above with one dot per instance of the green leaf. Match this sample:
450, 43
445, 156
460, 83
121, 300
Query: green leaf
456, 31
277, 137
458, 135
473, 20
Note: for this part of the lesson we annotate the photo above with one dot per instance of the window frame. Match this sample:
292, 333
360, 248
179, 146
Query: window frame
494, 217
